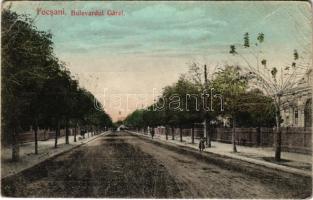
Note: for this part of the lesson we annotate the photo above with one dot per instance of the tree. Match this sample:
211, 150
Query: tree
71, 106
202, 80
26, 53
232, 85
274, 81
37, 89
256, 110
151, 118
54, 95
91, 114
182, 102
168, 113
135, 119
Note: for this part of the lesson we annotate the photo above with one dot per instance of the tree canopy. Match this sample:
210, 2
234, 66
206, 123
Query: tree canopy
37, 88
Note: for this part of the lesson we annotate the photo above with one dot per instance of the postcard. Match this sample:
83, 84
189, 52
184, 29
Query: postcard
156, 99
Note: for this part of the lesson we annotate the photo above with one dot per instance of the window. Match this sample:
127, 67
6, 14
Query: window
296, 116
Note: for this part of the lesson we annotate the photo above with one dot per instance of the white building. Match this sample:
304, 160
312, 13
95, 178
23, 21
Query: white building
297, 104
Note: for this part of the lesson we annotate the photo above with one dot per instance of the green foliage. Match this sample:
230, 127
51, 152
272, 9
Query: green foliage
231, 85
274, 72
260, 37
275, 82
295, 55
232, 49
263, 62
174, 109
190, 103
246, 40
37, 89
135, 119
256, 110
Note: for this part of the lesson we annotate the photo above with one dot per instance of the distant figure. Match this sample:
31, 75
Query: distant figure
82, 132
201, 144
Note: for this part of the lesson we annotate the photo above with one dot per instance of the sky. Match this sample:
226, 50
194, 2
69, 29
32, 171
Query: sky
127, 60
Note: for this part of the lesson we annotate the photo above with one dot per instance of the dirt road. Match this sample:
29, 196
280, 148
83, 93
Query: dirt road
123, 165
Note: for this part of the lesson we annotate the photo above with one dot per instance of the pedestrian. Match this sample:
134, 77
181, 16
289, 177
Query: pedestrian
201, 144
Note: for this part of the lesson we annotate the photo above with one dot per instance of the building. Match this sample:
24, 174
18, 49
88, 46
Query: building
297, 104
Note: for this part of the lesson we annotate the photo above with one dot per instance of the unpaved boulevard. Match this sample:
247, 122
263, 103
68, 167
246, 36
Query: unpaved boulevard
123, 165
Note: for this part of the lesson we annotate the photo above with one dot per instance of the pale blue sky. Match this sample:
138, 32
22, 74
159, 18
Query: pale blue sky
151, 45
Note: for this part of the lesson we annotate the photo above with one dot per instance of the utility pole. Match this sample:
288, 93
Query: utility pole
206, 133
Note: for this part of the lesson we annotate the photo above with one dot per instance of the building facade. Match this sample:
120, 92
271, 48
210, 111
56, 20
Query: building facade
297, 104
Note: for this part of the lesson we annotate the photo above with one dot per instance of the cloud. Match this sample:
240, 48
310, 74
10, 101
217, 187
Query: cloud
154, 40
144, 28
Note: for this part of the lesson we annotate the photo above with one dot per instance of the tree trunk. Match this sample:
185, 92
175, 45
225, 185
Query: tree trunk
278, 133
181, 133
192, 134
166, 132
173, 134
209, 134
36, 138
66, 132
152, 132
205, 131
259, 135
57, 132
15, 146
75, 133
234, 135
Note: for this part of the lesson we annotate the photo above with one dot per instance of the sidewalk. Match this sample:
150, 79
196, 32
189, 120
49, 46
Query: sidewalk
291, 162
45, 150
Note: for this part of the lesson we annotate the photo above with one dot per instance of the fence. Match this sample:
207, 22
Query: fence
42, 135
293, 139
297, 139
